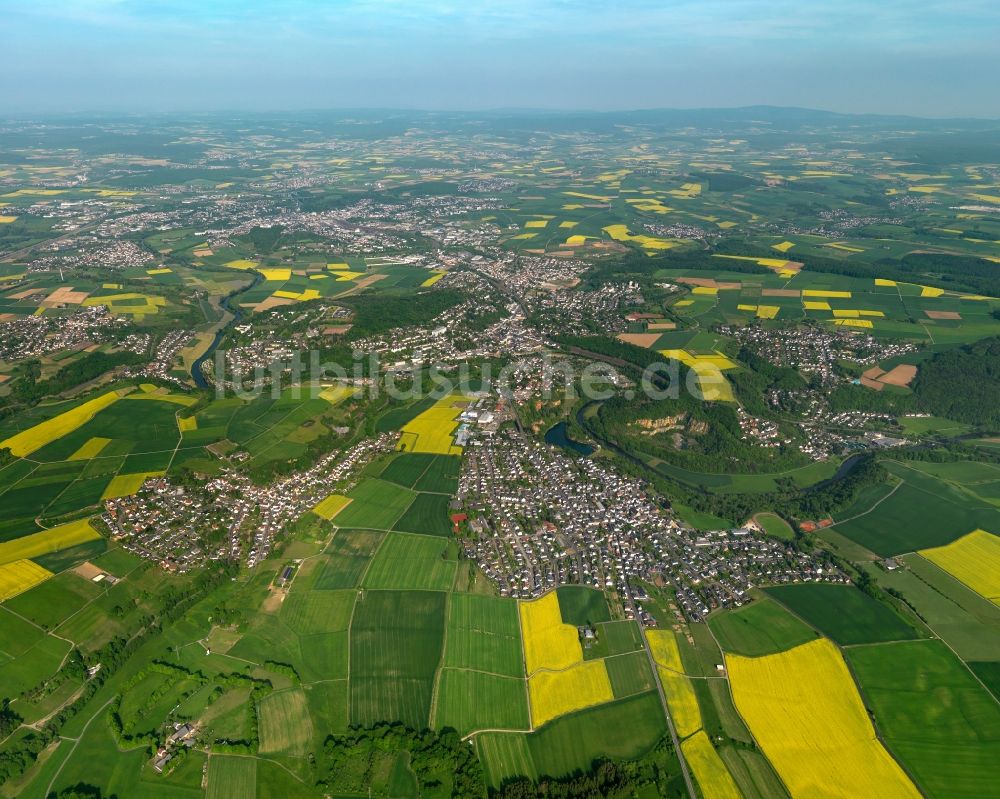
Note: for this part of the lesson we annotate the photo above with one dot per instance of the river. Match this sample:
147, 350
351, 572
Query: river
226, 303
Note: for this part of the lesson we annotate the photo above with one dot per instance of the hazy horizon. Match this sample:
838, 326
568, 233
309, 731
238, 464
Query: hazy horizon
911, 57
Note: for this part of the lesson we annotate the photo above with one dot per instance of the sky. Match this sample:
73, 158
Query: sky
936, 58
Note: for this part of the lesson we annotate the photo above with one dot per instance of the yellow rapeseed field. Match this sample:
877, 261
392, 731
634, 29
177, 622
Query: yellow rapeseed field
548, 642
331, 506
19, 576
433, 279
555, 693
337, 394
677, 688
434, 429
187, 423
90, 448
805, 712
241, 263
816, 305
61, 537
27, 441
711, 773
276, 274
837, 295
974, 559
124, 484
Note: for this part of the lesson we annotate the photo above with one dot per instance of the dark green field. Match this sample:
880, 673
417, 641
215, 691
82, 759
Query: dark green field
581, 605
428, 514
923, 512
843, 613
627, 729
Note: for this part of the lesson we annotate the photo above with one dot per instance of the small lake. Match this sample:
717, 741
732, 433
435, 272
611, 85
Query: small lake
558, 435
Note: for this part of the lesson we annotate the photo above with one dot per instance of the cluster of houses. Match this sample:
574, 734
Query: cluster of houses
538, 518
814, 349
36, 336
229, 516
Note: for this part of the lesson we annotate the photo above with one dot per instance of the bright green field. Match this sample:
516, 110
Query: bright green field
761, 628
484, 634
934, 715
375, 505
412, 561
231, 777
474, 700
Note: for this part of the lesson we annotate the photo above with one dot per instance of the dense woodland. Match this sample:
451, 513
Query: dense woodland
963, 384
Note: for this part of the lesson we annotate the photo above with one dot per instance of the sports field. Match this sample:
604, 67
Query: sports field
974, 559
805, 712
933, 715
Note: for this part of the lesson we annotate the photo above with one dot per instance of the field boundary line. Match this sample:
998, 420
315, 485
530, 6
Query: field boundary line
76, 742
895, 488
670, 722
524, 662
432, 716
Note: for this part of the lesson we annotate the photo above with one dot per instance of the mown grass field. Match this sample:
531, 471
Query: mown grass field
804, 710
843, 613
933, 714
